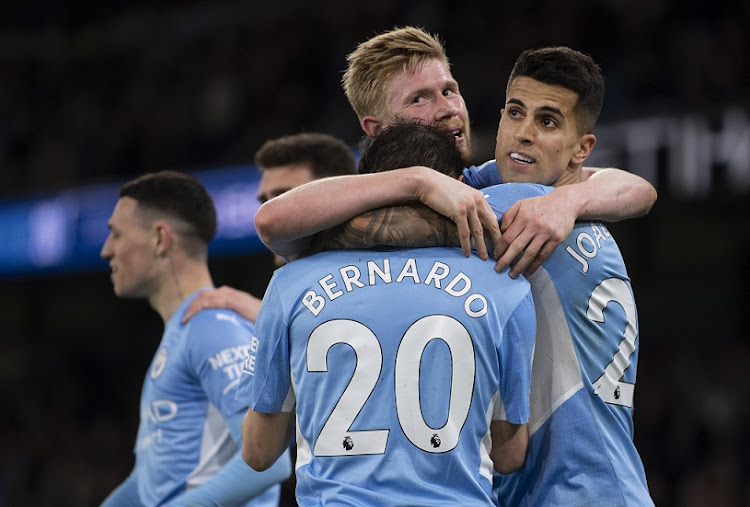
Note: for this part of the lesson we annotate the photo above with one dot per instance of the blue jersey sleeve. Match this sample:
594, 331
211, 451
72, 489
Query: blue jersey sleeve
515, 352
218, 343
484, 175
125, 494
266, 379
236, 483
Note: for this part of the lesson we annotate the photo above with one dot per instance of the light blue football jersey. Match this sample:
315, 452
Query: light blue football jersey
581, 449
483, 175
187, 394
397, 361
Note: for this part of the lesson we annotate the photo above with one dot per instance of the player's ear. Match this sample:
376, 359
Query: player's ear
372, 125
163, 238
585, 146
462, 179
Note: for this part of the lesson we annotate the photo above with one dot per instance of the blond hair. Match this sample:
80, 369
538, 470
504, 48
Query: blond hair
372, 65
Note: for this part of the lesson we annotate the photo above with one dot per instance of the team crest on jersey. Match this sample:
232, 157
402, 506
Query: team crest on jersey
160, 362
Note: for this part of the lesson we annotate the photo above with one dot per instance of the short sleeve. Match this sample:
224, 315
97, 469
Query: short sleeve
515, 352
266, 378
218, 343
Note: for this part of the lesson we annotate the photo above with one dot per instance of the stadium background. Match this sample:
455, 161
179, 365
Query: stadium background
95, 93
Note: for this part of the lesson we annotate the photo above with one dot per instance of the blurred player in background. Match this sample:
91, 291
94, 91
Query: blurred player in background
408, 370
285, 162
187, 448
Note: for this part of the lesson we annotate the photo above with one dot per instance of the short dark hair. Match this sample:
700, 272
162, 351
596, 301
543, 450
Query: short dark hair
406, 144
571, 69
177, 195
326, 155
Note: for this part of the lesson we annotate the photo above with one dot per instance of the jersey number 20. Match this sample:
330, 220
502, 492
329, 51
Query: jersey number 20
336, 438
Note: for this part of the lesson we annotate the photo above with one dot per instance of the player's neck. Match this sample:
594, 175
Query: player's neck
177, 284
573, 174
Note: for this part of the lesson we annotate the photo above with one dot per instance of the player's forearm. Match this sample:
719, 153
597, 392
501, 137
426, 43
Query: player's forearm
611, 195
509, 444
265, 437
287, 223
401, 226
236, 483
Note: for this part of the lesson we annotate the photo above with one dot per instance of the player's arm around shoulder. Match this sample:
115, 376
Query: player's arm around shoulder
535, 227
226, 297
287, 223
610, 194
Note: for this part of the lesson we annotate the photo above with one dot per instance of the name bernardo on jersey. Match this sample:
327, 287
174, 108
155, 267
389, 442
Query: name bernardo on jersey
352, 278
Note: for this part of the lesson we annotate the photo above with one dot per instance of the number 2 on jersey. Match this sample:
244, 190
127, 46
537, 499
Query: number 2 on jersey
609, 386
336, 438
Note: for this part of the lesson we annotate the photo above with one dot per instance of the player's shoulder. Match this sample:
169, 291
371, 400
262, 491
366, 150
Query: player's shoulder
295, 270
211, 321
483, 175
213, 330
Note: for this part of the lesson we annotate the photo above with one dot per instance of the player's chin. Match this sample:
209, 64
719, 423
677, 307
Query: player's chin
519, 173
122, 291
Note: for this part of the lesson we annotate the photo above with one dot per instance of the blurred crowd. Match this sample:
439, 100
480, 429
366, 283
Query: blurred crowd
93, 92
105, 91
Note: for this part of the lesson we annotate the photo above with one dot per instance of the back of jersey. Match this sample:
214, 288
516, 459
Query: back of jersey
399, 360
581, 449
